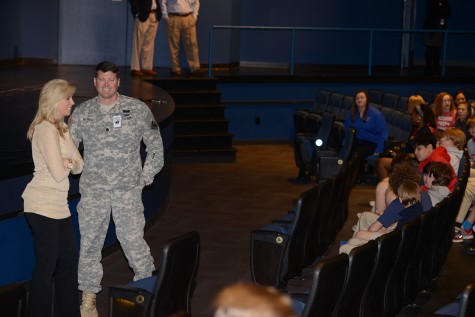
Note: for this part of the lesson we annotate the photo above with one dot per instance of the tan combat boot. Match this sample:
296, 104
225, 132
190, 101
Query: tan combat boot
88, 306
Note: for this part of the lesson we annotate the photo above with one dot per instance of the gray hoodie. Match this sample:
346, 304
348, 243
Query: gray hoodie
437, 194
455, 157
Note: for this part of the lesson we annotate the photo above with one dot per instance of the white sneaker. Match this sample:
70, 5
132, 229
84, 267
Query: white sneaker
88, 306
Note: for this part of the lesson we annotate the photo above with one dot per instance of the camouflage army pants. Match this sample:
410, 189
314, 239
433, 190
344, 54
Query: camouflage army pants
94, 210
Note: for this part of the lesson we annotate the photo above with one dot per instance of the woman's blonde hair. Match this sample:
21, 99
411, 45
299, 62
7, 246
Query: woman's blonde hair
51, 93
414, 101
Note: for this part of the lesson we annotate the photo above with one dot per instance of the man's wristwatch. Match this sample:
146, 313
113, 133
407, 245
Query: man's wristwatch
70, 164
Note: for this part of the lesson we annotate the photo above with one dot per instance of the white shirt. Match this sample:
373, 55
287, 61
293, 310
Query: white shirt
180, 7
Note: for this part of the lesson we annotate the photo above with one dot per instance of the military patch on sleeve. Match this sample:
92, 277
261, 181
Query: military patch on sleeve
154, 125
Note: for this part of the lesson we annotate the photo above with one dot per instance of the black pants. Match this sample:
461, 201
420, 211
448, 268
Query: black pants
363, 148
433, 60
56, 264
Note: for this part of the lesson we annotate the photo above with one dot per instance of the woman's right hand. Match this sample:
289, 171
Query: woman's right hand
65, 162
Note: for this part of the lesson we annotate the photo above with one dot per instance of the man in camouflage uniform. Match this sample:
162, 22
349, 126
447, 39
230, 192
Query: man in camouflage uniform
111, 128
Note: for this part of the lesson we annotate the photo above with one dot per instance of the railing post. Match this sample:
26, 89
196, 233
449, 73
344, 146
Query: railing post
444, 52
370, 61
292, 51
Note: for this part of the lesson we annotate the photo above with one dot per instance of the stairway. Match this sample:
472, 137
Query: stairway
200, 128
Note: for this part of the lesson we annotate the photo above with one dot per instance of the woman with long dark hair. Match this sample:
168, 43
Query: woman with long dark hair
371, 128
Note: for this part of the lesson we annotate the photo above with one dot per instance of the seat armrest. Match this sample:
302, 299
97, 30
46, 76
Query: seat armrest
328, 167
326, 153
267, 253
126, 300
276, 228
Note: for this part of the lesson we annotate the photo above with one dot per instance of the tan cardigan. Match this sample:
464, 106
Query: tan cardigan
47, 192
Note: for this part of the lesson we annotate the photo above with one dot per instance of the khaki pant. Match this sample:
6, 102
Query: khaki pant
183, 29
468, 199
366, 219
143, 42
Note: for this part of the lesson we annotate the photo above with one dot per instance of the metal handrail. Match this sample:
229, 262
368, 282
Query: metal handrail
293, 30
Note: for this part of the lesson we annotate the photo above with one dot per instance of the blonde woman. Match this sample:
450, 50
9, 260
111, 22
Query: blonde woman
46, 206
413, 102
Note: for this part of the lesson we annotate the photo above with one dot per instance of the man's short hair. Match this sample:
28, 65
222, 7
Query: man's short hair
105, 67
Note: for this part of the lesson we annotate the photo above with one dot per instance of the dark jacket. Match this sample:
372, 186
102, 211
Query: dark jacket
437, 12
142, 9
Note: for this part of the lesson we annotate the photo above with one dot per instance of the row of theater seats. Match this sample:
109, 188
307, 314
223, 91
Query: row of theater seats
315, 155
380, 278
282, 249
326, 122
373, 280
333, 101
383, 276
392, 106
391, 100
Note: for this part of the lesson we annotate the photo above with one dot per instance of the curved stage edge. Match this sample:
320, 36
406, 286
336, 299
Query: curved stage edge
17, 256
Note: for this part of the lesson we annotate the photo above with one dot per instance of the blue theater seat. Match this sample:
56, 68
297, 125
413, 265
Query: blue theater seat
328, 279
278, 249
462, 306
360, 267
169, 291
322, 97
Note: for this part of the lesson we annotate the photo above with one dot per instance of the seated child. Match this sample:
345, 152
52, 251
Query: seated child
426, 151
409, 196
453, 140
464, 222
437, 176
373, 222
452, 143
423, 121
400, 174
383, 197
471, 142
